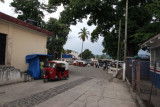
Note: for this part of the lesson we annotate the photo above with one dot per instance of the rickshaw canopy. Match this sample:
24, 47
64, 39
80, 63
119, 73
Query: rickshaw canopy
60, 62
34, 64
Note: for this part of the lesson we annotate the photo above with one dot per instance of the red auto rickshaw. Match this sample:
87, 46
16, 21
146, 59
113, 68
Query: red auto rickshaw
56, 70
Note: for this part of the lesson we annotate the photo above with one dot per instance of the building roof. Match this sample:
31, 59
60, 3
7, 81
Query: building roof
151, 41
22, 23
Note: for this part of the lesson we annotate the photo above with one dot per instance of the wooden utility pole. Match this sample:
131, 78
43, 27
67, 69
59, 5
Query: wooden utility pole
119, 35
138, 78
133, 74
125, 41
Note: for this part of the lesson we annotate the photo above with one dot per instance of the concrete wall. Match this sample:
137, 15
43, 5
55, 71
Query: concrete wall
10, 75
20, 42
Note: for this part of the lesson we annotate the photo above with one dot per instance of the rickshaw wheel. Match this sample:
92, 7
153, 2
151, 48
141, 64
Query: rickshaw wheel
45, 80
65, 78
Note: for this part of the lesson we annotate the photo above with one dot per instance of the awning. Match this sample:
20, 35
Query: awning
66, 56
34, 64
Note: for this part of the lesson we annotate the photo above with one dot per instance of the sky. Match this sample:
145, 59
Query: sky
73, 42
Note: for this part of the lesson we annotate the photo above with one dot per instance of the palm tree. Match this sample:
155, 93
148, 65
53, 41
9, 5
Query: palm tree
83, 35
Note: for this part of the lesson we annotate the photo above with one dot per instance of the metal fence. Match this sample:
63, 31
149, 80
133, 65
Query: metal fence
144, 77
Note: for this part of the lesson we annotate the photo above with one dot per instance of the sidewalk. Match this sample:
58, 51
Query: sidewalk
94, 93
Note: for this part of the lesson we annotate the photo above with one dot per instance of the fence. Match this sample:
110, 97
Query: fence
144, 77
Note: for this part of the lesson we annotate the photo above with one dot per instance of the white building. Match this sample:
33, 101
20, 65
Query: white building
74, 54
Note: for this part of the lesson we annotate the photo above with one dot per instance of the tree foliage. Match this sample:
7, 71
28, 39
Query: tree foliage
105, 14
97, 56
87, 54
103, 56
29, 9
83, 34
2, 1
154, 9
58, 39
67, 51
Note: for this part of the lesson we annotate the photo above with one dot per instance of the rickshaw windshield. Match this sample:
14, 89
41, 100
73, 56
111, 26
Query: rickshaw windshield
52, 65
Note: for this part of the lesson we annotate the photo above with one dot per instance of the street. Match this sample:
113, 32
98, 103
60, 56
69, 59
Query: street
86, 87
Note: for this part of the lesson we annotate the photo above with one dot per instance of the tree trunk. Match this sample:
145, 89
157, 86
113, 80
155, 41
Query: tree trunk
82, 50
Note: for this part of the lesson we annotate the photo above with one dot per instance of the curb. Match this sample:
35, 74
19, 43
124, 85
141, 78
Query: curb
134, 95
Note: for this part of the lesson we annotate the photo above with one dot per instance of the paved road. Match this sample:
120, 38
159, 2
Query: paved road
86, 87
89, 72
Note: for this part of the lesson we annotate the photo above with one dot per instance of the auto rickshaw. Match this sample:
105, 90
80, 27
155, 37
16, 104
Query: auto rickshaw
82, 63
56, 70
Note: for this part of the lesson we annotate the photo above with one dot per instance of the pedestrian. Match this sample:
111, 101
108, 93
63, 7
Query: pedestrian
104, 66
97, 64
41, 68
45, 60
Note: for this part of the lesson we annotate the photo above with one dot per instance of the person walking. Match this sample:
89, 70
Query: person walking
97, 64
104, 66
41, 68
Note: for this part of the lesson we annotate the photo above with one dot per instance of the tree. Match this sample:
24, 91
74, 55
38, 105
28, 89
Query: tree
2, 1
87, 54
67, 51
83, 35
105, 14
154, 9
58, 39
103, 56
97, 57
29, 9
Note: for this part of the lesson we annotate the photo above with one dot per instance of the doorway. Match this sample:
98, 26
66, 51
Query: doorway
2, 48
